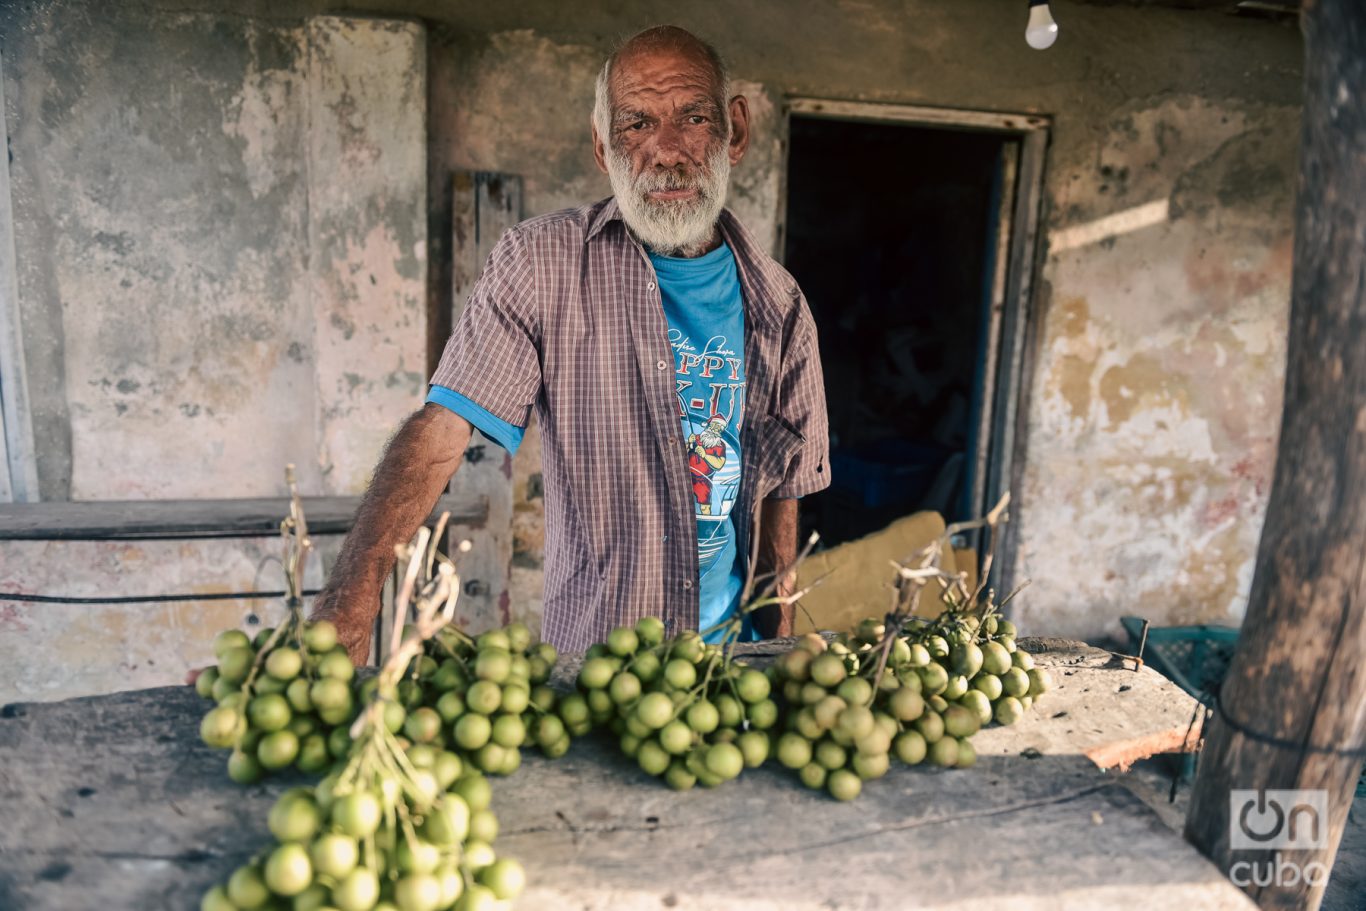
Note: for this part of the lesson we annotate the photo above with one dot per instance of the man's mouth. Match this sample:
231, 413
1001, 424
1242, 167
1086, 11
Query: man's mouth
672, 195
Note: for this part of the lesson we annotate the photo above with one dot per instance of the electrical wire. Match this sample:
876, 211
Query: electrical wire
147, 599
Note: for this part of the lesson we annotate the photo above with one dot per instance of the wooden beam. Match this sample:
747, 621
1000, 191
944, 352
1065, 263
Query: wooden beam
170, 519
1294, 703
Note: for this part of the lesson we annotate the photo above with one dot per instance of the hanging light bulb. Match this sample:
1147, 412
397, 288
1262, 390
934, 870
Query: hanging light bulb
1042, 30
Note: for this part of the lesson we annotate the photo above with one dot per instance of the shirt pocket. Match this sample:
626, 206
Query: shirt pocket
778, 444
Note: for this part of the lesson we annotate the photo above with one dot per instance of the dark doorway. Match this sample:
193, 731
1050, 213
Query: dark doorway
894, 233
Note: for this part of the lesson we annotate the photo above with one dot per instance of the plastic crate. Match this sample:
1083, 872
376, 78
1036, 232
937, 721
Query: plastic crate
1195, 658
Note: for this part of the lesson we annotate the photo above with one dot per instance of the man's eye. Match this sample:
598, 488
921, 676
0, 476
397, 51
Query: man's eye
697, 120
636, 125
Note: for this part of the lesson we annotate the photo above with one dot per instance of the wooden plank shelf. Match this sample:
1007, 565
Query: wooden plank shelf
115, 520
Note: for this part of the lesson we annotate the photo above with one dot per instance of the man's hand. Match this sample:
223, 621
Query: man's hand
415, 468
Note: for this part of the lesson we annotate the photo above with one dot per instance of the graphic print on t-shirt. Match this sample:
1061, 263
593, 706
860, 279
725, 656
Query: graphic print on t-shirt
711, 390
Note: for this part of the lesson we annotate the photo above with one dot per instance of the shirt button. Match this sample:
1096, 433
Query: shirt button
650, 286
662, 365
687, 583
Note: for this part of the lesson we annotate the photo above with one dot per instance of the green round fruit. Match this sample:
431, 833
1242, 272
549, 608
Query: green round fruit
680, 673
1040, 681
906, 704
958, 685
676, 738
762, 714
843, 784
416, 855
221, 727
753, 686
246, 888
235, 663
678, 777
827, 712
516, 698
813, 775
509, 731
294, 817
505, 878
988, 685
754, 746
967, 755
933, 678
655, 711
995, 658
856, 721
1022, 659
216, 899
703, 717
337, 665
944, 752
357, 814
725, 760
447, 823
203, 684
277, 750
320, 636
625, 687
878, 741
652, 758
356, 891
492, 664
977, 702
494, 638
650, 630
1008, 710
828, 670
967, 659
1015, 682
484, 697
855, 691
730, 711
417, 892
910, 747
961, 721
284, 664
478, 898
868, 766
519, 636
831, 755
595, 674
334, 855
288, 870
919, 656
229, 639
475, 790
330, 693
269, 713
930, 725
243, 768
623, 642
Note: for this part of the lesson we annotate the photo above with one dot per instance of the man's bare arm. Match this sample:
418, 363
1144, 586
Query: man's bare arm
777, 549
412, 474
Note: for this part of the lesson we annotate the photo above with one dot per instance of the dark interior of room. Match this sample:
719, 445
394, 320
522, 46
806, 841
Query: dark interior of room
891, 232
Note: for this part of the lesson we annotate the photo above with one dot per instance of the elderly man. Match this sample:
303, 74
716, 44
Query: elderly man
635, 327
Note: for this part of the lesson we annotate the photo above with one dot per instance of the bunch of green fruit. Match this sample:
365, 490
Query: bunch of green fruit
485, 697
841, 729
284, 698
683, 709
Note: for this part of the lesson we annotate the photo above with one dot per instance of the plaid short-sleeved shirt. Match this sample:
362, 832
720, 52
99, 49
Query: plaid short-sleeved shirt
567, 319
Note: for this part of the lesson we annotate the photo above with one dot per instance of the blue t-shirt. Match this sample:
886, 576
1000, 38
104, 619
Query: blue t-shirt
706, 316
705, 312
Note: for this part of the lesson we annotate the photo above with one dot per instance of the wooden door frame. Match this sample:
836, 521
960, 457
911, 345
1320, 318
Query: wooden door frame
1011, 329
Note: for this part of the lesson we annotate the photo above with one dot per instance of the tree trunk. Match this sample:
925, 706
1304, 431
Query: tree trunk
1297, 687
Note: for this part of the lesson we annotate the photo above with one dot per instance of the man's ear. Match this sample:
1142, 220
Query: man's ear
739, 128
599, 149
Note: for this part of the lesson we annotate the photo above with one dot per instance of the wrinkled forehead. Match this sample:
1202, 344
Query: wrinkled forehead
664, 77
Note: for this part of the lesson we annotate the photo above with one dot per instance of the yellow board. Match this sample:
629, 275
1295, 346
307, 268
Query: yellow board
858, 575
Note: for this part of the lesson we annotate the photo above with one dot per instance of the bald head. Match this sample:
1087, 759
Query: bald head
660, 42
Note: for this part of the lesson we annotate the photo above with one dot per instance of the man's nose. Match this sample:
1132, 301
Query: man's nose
670, 149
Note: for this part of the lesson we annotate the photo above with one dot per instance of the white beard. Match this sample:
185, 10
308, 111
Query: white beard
681, 228
706, 439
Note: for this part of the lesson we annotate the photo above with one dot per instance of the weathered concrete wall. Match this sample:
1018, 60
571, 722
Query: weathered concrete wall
221, 244
1157, 352
221, 239
54, 651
